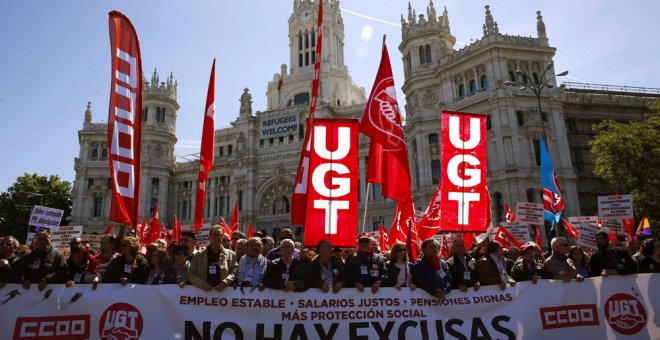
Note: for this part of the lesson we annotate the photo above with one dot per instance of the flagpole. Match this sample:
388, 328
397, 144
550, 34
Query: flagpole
366, 204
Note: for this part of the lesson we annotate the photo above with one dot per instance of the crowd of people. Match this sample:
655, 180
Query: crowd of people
235, 261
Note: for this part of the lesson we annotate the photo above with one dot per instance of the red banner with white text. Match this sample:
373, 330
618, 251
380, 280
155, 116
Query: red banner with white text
124, 120
464, 202
332, 202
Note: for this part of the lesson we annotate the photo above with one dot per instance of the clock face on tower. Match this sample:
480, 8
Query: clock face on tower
306, 16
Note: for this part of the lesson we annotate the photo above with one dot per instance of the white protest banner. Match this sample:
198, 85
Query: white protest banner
61, 237
587, 236
271, 126
616, 207
616, 307
519, 230
46, 217
531, 213
94, 241
203, 235
576, 220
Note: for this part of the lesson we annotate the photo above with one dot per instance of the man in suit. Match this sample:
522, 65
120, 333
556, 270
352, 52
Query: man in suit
215, 267
326, 270
431, 273
492, 268
286, 273
365, 268
463, 267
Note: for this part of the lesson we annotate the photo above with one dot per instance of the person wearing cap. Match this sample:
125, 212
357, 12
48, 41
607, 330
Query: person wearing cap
431, 273
365, 268
527, 268
463, 267
326, 270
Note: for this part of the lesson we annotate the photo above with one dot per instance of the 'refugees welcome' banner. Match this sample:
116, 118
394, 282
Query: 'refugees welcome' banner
599, 308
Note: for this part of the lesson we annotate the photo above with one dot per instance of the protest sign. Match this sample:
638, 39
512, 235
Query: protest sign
531, 213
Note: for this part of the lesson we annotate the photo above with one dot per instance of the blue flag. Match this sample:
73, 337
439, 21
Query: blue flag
553, 202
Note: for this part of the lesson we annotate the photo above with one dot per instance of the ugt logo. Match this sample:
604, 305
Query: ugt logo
121, 321
625, 314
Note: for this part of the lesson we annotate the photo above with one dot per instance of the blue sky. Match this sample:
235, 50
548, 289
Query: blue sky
56, 57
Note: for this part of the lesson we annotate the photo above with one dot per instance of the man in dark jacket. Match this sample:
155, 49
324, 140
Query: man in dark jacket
431, 273
607, 260
463, 267
326, 271
43, 265
8, 247
129, 267
286, 273
365, 268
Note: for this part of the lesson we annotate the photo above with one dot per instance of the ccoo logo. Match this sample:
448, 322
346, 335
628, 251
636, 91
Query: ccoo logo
121, 321
625, 314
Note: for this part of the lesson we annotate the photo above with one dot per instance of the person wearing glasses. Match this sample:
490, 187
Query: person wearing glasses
399, 270
215, 267
268, 245
43, 265
129, 267
8, 247
365, 268
557, 266
286, 273
431, 273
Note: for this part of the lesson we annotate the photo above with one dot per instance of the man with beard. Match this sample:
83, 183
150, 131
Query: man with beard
43, 265
607, 260
463, 267
130, 266
215, 267
286, 273
365, 268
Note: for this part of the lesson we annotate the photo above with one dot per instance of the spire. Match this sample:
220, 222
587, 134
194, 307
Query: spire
490, 27
430, 11
411, 16
540, 27
88, 114
444, 21
154, 78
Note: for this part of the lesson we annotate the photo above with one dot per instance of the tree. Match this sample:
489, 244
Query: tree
29, 190
628, 157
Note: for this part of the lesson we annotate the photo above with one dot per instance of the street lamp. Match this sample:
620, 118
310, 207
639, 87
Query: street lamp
537, 86
41, 197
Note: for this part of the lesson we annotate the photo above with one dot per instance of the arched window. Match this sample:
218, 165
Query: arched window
512, 76
301, 98
433, 138
427, 51
535, 77
523, 78
520, 118
435, 171
473, 86
424, 54
145, 114
461, 90
484, 82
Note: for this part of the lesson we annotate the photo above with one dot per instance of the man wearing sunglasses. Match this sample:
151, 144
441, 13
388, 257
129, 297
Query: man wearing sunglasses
8, 247
129, 267
43, 265
365, 268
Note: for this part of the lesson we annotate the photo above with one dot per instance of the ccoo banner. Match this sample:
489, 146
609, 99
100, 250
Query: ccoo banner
332, 192
464, 201
615, 307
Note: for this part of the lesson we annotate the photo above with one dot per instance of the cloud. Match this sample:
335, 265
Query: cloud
367, 32
362, 51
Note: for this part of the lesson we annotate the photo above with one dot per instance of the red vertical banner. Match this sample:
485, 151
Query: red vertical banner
206, 151
332, 202
464, 202
299, 194
125, 120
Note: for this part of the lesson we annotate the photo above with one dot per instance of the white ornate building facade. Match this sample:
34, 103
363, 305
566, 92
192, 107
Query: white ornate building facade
257, 157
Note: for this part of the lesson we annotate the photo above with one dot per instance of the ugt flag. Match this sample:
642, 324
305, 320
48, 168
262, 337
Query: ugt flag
553, 202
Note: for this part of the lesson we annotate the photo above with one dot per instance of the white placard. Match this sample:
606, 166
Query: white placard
576, 220
519, 230
62, 236
587, 237
94, 241
617, 207
46, 217
531, 213
278, 125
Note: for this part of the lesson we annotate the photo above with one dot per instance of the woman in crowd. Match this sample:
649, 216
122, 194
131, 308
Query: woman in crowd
398, 269
527, 268
580, 260
160, 269
181, 264
76, 265
649, 262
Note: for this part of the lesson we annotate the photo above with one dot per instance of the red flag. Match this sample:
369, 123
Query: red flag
445, 250
206, 152
412, 240
538, 237
108, 230
388, 158
234, 218
570, 229
250, 232
628, 226
142, 229
124, 120
468, 240
154, 227
176, 231
505, 238
404, 212
465, 199
509, 216
429, 225
225, 227
383, 238
299, 195
165, 234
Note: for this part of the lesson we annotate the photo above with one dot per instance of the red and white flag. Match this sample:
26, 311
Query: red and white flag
429, 225
464, 201
154, 227
125, 120
381, 121
250, 231
445, 249
165, 234
300, 186
332, 194
405, 212
570, 229
509, 216
176, 231
206, 152
225, 227
383, 237
505, 238
235, 224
